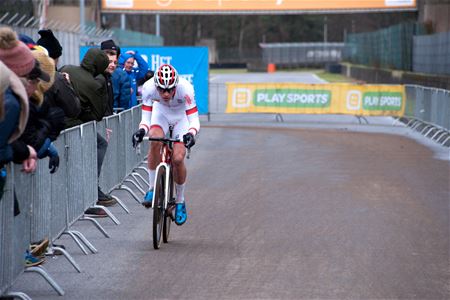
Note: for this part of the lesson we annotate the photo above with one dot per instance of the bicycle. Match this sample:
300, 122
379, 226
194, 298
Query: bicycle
163, 202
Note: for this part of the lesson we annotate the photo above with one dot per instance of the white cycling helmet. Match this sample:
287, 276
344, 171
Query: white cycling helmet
166, 77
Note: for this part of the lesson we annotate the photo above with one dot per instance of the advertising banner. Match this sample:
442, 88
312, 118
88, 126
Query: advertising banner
218, 6
190, 62
292, 98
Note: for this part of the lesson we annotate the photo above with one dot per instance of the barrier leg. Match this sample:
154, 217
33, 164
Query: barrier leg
67, 256
96, 223
124, 187
279, 118
85, 241
74, 237
125, 208
16, 295
134, 183
135, 174
109, 213
41, 271
144, 169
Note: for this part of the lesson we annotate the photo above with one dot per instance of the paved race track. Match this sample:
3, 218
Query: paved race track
280, 213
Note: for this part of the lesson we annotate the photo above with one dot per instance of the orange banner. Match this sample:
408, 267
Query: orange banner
256, 5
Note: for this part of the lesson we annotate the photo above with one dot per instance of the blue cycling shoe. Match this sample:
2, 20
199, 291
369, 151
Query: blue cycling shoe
148, 198
180, 213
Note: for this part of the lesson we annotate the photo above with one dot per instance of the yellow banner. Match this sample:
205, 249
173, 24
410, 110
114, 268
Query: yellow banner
292, 98
254, 5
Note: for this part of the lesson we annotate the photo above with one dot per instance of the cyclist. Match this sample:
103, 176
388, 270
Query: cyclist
168, 100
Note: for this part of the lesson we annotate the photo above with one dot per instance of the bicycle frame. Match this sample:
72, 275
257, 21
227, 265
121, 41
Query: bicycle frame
166, 163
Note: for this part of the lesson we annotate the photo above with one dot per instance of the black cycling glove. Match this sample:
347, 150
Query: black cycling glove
188, 140
138, 136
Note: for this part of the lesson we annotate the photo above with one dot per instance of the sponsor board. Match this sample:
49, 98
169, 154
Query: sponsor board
316, 99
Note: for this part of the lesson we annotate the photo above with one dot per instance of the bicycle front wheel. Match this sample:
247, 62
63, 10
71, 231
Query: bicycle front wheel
167, 217
158, 207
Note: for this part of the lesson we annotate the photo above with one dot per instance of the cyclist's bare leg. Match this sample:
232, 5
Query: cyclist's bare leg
154, 152
179, 168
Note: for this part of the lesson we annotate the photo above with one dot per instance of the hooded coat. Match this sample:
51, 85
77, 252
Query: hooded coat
92, 93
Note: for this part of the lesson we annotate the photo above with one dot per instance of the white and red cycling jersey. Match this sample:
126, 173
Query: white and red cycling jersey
180, 111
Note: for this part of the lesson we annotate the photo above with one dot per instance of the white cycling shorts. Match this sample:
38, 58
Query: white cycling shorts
163, 116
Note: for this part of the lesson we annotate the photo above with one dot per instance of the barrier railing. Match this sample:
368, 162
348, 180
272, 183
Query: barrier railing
428, 112
51, 203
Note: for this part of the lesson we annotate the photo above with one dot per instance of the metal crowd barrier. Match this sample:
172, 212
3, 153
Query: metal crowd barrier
51, 203
428, 112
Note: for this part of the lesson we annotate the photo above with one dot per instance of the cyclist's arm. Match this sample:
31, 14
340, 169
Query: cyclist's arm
142, 66
147, 107
194, 122
192, 111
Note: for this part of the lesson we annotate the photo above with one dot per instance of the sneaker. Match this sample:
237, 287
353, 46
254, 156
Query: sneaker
148, 198
31, 260
39, 248
105, 199
95, 212
180, 213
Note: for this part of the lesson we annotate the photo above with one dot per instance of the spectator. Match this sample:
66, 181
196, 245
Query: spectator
18, 58
61, 93
110, 49
13, 117
126, 61
121, 83
93, 98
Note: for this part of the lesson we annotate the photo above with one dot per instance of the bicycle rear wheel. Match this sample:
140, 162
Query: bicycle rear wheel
167, 217
158, 207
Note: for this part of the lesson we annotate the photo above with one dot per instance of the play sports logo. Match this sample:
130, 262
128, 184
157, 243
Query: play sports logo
241, 98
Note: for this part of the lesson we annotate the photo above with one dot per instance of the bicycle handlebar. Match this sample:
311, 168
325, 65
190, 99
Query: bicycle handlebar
164, 140
167, 140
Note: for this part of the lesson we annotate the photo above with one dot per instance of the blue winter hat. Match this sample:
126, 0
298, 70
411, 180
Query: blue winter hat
123, 58
27, 40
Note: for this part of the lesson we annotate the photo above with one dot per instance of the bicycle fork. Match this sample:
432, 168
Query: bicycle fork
166, 183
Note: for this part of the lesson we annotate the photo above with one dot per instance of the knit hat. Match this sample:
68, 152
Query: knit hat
110, 45
48, 66
50, 42
27, 40
15, 54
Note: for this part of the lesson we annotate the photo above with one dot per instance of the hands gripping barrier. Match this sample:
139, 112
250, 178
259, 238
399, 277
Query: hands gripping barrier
51, 203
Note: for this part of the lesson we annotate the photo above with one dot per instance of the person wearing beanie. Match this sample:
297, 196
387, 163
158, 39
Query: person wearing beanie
51, 43
119, 85
14, 53
126, 62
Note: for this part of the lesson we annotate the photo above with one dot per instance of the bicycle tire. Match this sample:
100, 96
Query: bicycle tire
167, 217
158, 208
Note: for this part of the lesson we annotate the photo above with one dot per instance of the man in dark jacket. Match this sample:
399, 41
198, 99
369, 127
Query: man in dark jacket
121, 84
111, 50
89, 83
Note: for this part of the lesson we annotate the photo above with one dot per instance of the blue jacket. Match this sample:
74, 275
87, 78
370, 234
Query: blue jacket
8, 125
135, 74
121, 89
